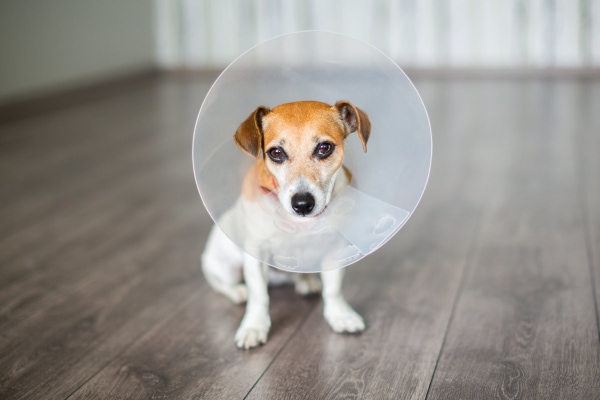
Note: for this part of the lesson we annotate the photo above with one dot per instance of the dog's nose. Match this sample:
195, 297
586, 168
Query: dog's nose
303, 203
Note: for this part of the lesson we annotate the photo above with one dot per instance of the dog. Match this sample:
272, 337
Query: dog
299, 152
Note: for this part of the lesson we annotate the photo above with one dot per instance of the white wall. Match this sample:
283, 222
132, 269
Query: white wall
417, 33
53, 44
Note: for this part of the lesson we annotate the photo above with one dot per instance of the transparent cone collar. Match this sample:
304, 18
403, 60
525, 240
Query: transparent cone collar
388, 181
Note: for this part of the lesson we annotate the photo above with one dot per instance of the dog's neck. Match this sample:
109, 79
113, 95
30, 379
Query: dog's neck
266, 180
259, 181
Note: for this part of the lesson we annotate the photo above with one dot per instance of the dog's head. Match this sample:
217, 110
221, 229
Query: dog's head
302, 147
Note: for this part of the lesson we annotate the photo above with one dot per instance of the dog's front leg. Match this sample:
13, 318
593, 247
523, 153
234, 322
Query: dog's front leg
338, 314
255, 325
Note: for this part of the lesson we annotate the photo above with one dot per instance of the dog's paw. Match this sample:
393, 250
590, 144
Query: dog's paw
306, 285
342, 318
252, 332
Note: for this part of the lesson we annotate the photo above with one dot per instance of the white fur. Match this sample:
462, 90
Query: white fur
224, 265
291, 161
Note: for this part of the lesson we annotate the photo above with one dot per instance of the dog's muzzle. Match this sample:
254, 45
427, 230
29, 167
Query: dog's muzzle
303, 203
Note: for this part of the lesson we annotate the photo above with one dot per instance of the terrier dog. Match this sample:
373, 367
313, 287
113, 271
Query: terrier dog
299, 149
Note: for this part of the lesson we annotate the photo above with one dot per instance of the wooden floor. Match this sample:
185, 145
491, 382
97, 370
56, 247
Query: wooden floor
489, 292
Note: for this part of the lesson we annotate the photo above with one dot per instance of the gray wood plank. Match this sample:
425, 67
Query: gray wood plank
101, 295
62, 161
405, 290
103, 262
52, 353
93, 218
525, 325
193, 355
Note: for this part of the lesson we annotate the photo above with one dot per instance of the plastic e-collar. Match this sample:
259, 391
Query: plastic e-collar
388, 181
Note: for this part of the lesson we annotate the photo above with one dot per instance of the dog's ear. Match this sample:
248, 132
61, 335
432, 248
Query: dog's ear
354, 119
249, 136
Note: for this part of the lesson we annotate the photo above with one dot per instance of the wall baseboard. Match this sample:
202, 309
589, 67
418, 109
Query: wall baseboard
24, 107
35, 104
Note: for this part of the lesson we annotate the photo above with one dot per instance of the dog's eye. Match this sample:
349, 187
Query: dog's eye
324, 150
277, 154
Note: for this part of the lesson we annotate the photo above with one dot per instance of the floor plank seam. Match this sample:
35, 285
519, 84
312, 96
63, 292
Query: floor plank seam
467, 266
289, 339
132, 343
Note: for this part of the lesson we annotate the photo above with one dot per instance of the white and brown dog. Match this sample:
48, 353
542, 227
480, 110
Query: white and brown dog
299, 148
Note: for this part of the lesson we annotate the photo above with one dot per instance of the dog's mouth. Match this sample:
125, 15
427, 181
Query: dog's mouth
320, 212
300, 216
